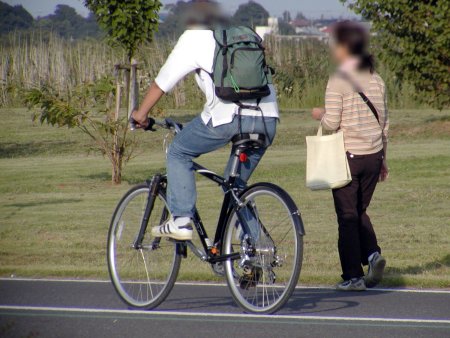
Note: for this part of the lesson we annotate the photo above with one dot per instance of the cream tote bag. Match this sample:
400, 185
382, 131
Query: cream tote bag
326, 163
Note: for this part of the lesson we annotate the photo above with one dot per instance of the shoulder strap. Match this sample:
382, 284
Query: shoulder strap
366, 100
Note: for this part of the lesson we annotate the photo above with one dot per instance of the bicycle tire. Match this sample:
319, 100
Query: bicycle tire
122, 287
270, 242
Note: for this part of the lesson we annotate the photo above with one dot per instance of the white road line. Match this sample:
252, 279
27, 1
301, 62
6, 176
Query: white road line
224, 315
66, 280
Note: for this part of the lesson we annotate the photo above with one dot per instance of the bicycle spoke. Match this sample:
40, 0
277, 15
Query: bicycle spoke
146, 271
142, 276
265, 277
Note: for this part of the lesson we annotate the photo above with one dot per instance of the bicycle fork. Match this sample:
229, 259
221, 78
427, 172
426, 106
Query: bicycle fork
154, 186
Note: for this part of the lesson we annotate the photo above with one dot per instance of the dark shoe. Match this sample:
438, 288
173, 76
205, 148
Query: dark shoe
376, 270
354, 284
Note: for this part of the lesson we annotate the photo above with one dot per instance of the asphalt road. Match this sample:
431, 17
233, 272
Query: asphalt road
45, 308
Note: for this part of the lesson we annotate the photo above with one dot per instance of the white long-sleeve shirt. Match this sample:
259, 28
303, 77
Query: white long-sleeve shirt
195, 50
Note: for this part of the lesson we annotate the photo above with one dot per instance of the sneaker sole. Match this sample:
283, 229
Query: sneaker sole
174, 236
376, 273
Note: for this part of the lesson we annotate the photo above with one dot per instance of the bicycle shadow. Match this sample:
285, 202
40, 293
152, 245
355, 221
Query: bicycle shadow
223, 303
303, 301
310, 301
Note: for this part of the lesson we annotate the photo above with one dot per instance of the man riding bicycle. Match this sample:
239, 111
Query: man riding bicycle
220, 121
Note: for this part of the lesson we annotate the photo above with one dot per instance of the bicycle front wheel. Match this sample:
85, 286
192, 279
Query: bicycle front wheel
271, 249
143, 276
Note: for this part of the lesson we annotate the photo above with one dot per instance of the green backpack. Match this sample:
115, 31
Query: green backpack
240, 70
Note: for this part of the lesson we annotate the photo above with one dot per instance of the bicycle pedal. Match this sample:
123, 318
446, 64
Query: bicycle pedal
218, 269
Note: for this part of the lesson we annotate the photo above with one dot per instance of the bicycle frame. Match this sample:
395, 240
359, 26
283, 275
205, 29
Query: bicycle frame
230, 202
211, 248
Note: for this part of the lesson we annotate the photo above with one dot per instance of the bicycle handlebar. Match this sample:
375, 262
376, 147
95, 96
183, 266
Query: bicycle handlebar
166, 124
170, 124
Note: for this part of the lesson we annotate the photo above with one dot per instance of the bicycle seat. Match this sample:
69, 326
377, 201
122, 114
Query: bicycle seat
249, 140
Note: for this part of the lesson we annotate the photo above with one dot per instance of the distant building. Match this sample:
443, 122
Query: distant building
298, 23
311, 32
271, 29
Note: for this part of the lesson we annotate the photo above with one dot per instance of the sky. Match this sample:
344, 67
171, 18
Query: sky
311, 8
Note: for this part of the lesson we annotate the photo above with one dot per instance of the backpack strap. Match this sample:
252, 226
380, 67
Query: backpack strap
224, 51
366, 100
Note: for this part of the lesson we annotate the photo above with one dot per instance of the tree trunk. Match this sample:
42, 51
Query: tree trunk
117, 170
132, 98
116, 159
133, 94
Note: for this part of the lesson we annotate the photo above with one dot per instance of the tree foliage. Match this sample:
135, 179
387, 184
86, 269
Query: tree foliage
286, 16
415, 40
284, 24
173, 25
251, 14
109, 136
69, 24
127, 23
12, 18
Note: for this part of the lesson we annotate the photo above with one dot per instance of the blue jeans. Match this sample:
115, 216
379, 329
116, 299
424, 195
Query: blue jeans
197, 139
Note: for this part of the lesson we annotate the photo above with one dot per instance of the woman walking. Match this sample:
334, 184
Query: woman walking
356, 104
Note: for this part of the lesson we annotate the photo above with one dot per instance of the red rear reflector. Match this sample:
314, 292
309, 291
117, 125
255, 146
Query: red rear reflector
243, 157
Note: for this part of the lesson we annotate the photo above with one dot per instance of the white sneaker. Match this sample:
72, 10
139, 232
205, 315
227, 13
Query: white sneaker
354, 284
179, 229
377, 263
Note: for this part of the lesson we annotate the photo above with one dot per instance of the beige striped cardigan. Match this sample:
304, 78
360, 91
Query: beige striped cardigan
345, 110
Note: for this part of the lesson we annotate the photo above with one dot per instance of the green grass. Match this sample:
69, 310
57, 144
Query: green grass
56, 200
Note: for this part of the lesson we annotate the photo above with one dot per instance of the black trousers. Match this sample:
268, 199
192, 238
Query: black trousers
357, 239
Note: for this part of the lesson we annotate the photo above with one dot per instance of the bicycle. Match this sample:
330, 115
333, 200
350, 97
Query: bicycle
258, 244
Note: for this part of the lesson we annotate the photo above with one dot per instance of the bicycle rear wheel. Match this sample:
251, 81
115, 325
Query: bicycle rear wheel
265, 276
142, 277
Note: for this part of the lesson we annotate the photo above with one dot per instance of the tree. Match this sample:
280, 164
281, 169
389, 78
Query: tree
173, 25
285, 28
69, 24
108, 134
12, 18
284, 24
287, 16
415, 41
251, 14
127, 23
300, 16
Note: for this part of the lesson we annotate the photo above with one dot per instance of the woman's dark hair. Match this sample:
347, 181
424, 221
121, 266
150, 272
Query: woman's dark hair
355, 38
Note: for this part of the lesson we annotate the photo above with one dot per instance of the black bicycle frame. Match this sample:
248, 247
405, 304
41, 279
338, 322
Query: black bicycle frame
230, 202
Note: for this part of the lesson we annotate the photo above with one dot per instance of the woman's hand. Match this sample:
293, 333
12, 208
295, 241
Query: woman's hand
384, 173
317, 113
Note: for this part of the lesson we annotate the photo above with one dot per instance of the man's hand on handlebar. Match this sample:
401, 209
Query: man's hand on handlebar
138, 122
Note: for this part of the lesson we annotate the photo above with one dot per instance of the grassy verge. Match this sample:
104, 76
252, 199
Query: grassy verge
56, 200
